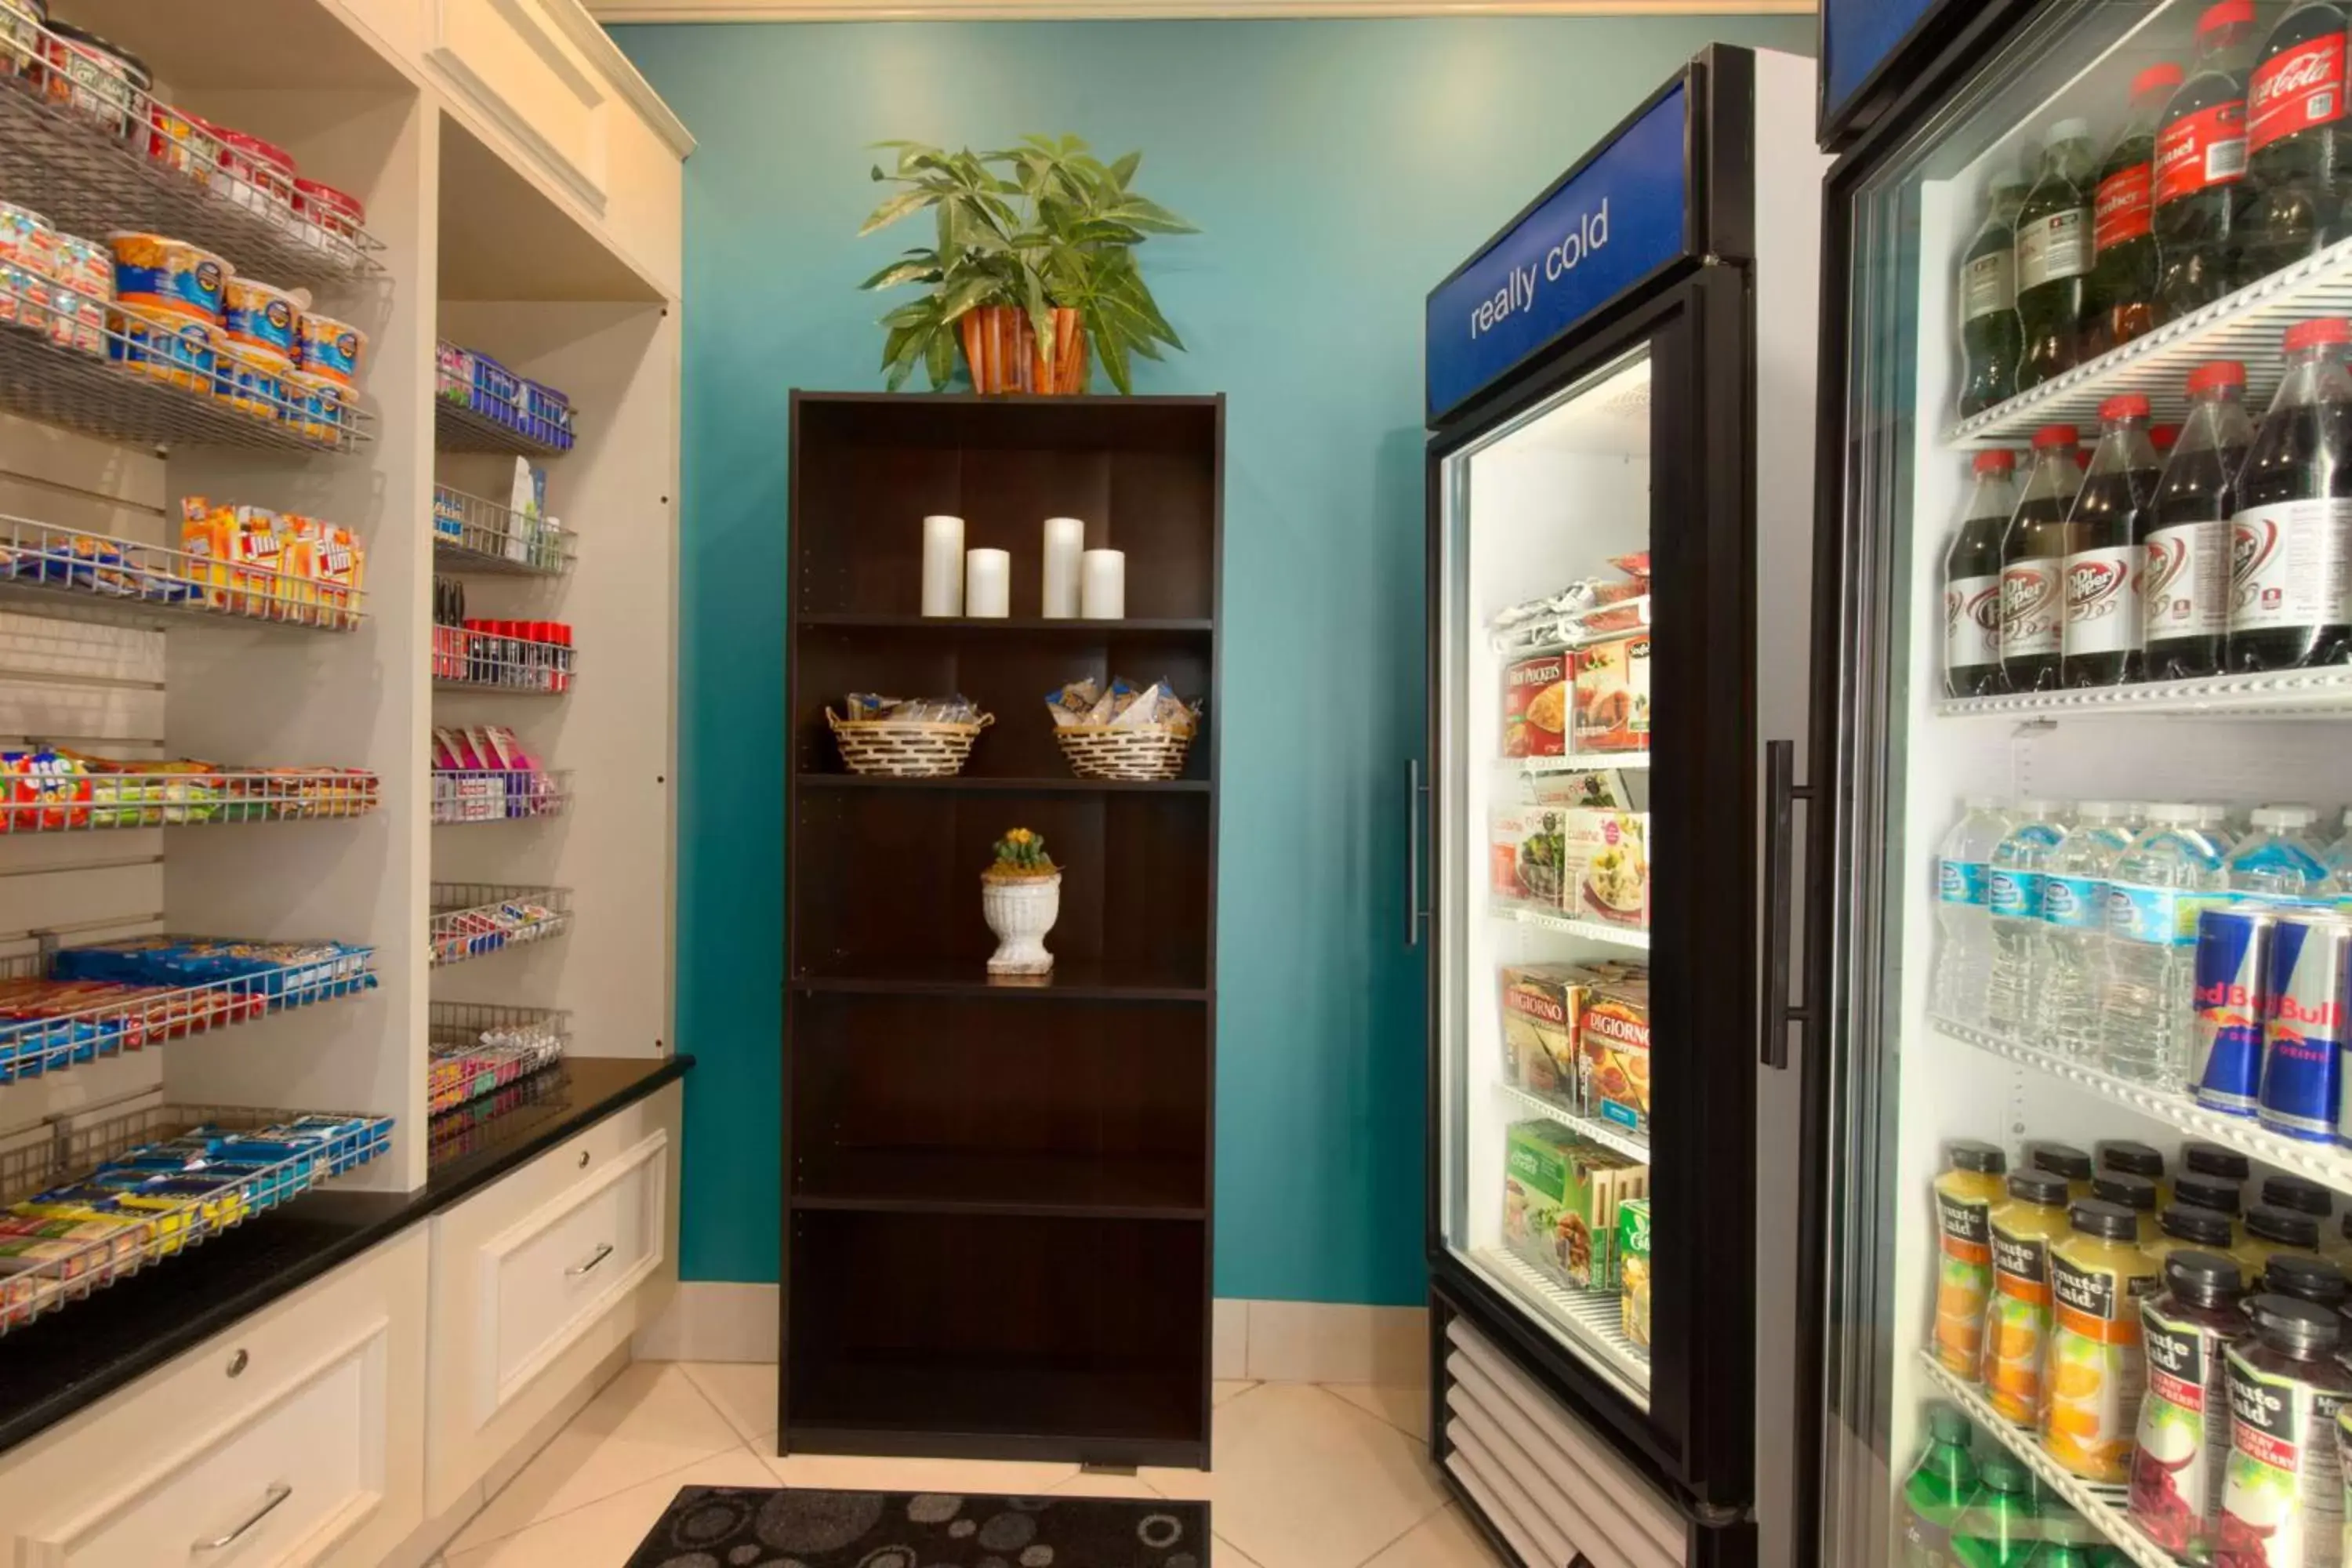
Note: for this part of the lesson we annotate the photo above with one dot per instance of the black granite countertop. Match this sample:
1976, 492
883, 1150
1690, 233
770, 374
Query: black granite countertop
75, 1356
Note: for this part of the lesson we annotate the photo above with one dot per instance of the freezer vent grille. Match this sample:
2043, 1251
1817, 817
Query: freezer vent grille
1592, 1318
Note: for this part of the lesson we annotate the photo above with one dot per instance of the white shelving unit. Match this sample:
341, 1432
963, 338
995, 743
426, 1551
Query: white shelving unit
1590, 931
1608, 1134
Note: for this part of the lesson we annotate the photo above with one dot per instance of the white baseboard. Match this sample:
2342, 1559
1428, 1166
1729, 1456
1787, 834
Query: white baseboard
1265, 1342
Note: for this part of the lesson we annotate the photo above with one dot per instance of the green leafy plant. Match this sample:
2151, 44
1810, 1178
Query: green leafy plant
1036, 227
1021, 854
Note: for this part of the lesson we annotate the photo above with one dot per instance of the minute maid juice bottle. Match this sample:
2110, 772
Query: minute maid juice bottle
2097, 1371
2283, 1492
2017, 1323
1964, 1198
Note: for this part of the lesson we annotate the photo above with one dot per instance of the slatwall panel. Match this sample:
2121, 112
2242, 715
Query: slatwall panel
1551, 1486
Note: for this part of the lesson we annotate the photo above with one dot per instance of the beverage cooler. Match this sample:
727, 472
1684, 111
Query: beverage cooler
1621, 396
2077, 1170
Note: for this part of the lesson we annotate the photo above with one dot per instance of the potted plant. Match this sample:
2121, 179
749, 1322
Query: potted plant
1021, 897
1032, 262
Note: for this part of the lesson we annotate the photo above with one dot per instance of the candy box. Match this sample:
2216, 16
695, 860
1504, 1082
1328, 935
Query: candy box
1612, 695
1535, 706
1559, 1202
1633, 1269
1539, 1004
1613, 1044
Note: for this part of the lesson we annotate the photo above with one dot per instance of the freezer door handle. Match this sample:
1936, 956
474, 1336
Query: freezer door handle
1414, 915
1782, 793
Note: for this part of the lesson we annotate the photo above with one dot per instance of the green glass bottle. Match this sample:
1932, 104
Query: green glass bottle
1998, 1528
1940, 1484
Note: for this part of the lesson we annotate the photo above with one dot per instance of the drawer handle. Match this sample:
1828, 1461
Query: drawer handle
279, 1492
577, 1270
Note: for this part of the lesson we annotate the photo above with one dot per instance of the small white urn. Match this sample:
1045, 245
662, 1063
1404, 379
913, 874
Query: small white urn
1021, 911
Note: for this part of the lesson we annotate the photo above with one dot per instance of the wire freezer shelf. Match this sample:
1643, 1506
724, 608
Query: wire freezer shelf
470, 535
1591, 931
465, 658
2247, 325
474, 919
465, 795
478, 1048
55, 1260
1593, 1319
1608, 1136
35, 801
94, 578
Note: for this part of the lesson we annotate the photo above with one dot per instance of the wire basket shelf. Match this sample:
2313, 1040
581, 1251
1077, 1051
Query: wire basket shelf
479, 1049
492, 1117
474, 919
465, 658
91, 163
470, 535
97, 579
460, 427
1594, 1319
50, 1024
40, 800
161, 1190
135, 385
467, 794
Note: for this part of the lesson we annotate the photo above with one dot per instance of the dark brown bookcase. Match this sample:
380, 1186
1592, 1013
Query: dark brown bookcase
997, 1194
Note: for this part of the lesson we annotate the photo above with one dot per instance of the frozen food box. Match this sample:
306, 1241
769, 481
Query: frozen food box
1539, 1004
1560, 1197
1612, 695
1613, 1048
1633, 1269
1535, 706
1605, 866
1526, 848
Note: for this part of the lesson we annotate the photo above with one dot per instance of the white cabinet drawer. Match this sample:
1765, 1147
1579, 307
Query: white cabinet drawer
294, 1440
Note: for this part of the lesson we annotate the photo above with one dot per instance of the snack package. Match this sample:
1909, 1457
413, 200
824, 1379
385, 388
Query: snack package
1073, 702
1560, 1197
1612, 695
1633, 1269
1612, 1044
1605, 866
44, 792
1539, 1031
1535, 706
206, 531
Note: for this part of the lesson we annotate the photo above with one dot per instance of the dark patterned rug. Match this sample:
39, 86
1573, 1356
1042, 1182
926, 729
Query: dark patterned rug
763, 1527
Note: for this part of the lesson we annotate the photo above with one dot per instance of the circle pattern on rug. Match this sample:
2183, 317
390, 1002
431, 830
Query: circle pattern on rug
1160, 1531
933, 1508
1008, 1531
814, 1523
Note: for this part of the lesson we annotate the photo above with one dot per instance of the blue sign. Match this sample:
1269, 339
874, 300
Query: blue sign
1858, 36
1613, 222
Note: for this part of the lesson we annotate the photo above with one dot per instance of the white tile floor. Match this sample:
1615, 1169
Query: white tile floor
1309, 1475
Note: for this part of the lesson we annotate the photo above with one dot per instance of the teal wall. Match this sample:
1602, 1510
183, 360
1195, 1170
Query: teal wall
1337, 170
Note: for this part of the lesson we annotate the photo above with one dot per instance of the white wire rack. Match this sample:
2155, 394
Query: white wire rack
95, 1197
91, 163
38, 797
1608, 1134
457, 427
474, 919
2247, 325
1593, 1320
1574, 628
2323, 1162
470, 535
49, 1024
1578, 762
2102, 1507
2284, 694
479, 1047
70, 575
465, 658
156, 389
1591, 931
471, 795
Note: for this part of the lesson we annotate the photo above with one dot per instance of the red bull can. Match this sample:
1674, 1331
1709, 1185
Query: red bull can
2233, 959
2303, 1018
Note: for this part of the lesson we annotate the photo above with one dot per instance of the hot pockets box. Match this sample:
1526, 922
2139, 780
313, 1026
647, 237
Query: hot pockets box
1535, 706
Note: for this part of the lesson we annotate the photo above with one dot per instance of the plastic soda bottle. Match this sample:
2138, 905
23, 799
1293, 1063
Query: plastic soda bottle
2099, 643
1972, 579
2033, 562
2124, 267
2155, 889
2071, 962
1963, 894
1990, 338
1939, 1485
2054, 253
2185, 531
1996, 1529
2200, 159
2291, 540
2013, 892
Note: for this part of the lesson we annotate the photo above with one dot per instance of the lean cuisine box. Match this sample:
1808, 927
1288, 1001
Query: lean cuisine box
1527, 835
1560, 1197
1605, 866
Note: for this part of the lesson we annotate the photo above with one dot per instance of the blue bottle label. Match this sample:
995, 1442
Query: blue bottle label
2160, 917
2016, 895
1960, 881
2075, 903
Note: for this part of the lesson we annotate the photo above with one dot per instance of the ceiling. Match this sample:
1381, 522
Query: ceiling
1036, 10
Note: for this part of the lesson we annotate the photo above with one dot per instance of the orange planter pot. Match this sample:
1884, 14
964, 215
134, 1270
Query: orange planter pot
1001, 350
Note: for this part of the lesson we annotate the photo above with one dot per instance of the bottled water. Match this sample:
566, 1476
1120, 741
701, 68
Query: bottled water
1963, 869
2276, 860
2071, 963
2155, 889
2215, 823
2337, 858
2013, 890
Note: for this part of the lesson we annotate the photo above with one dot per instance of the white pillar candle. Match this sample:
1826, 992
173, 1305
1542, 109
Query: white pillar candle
943, 566
1066, 541
987, 584
1106, 585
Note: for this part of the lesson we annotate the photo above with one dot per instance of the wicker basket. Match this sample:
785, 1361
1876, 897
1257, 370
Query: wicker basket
902, 749
1105, 752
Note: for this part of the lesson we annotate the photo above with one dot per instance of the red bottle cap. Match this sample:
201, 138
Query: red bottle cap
2056, 436
2311, 334
2217, 373
1999, 460
2226, 14
2163, 436
2125, 405
2159, 78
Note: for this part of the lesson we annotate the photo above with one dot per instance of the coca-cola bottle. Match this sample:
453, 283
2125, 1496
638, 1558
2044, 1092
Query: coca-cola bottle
1973, 580
2099, 644
2291, 539
2298, 153
2034, 551
2163, 436
2184, 590
2054, 255
2121, 293
1990, 337
2201, 160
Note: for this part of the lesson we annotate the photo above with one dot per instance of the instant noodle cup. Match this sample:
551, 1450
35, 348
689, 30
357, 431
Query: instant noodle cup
333, 215
26, 236
330, 348
159, 273
262, 321
179, 139
260, 173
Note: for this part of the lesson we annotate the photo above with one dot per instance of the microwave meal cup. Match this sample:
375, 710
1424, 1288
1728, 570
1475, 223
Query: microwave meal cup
165, 345
330, 348
263, 320
156, 273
